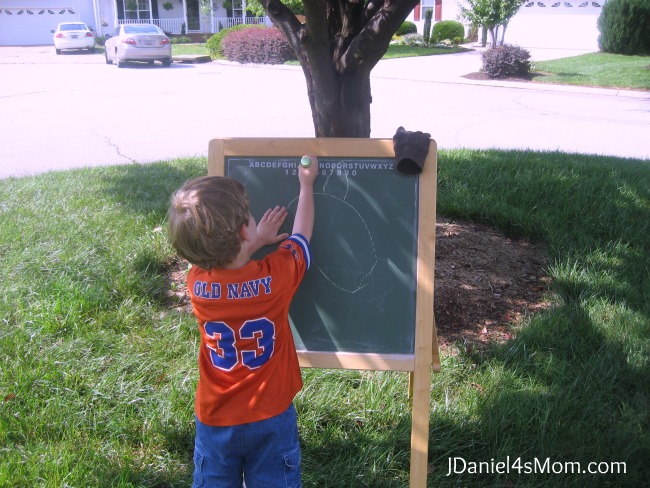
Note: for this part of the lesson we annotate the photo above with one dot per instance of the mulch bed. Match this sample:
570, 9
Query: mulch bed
485, 283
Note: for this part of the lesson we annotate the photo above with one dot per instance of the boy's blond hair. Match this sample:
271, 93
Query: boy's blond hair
205, 217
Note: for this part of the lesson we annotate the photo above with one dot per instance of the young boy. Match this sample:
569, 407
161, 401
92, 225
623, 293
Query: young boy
246, 424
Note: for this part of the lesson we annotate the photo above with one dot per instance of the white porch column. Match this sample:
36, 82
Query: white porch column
98, 22
115, 19
243, 11
211, 17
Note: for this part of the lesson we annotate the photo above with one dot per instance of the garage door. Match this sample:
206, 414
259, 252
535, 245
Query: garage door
568, 24
32, 25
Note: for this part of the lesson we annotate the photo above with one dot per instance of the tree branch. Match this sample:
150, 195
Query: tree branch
348, 23
285, 20
370, 10
370, 45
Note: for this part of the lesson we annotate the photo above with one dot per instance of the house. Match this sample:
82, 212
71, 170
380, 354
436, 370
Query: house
29, 22
539, 23
568, 24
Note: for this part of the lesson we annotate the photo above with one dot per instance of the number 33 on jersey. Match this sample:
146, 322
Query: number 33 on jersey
252, 349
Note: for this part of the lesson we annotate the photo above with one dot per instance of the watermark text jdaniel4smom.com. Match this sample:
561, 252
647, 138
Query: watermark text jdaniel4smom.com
459, 465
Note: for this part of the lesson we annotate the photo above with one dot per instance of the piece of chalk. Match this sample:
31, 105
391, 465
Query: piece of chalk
305, 161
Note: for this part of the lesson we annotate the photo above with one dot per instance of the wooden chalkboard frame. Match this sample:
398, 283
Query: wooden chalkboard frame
426, 355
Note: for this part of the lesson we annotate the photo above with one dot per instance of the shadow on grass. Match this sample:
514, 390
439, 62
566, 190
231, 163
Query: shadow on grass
574, 385
566, 393
351, 454
144, 192
146, 189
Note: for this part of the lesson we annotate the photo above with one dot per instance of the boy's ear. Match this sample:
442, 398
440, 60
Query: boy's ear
243, 233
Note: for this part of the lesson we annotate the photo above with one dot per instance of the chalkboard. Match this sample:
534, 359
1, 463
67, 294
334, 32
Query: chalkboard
363, 276
360, 296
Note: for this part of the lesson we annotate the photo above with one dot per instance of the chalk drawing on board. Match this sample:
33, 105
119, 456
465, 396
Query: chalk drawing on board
348, 270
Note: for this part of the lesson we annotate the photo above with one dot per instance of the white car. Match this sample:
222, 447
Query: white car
73, 35
138, 42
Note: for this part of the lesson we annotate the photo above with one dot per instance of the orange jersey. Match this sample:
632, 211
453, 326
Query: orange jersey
248, 367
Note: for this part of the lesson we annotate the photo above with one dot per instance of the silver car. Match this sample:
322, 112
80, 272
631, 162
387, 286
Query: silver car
73, 35
138, 42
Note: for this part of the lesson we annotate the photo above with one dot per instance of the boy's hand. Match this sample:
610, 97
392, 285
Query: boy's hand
307, 174
269, 225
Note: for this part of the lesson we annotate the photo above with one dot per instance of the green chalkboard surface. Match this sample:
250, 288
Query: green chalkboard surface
360, 294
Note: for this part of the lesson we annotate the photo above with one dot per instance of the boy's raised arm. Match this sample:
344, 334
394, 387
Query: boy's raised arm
304, 221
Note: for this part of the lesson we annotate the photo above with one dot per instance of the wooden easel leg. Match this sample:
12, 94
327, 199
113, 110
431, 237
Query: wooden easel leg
420, 429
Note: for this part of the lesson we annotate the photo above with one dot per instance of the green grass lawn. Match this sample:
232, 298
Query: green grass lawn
401, 51
195, 48
97, 370
597, 69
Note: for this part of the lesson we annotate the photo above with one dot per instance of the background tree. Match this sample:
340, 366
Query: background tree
337, 46
624, 27
428, 15
491, 15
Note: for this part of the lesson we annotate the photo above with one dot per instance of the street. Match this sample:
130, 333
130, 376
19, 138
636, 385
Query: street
61, 112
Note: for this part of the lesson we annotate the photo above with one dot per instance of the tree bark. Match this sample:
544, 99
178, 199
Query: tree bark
494, 35
503, 33
339, 44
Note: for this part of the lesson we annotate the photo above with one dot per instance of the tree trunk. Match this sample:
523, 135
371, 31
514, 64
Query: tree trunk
341, 108
494, 35
503, 33
337, 47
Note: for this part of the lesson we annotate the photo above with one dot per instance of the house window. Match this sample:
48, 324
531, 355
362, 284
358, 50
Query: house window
435, 5
136, 9
237, 8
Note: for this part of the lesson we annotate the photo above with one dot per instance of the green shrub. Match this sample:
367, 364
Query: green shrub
506, 60
447, 29
263, 46
624, 27
213, 44
407, 27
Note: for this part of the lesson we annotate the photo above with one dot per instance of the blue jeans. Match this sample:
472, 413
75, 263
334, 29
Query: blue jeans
264, 454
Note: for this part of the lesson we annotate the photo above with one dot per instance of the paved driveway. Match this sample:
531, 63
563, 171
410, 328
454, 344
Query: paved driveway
73, 110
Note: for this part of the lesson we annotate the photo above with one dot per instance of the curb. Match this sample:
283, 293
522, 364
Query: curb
191, 58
